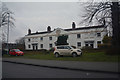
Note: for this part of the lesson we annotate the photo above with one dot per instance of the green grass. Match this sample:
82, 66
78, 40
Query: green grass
91, 57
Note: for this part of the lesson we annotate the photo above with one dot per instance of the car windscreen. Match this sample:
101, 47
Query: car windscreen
17, 50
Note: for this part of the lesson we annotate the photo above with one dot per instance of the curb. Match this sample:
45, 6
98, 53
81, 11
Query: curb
66, 68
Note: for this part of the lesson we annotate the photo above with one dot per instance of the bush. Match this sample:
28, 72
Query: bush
113, 50
52, 49
103, 46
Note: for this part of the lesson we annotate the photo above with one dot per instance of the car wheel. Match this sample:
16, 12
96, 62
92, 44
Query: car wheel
56, 54
16, 55
74, 54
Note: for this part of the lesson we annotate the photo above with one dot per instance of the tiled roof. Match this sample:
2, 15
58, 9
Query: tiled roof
81, 28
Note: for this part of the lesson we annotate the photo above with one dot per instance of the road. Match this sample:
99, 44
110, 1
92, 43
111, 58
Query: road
12, 70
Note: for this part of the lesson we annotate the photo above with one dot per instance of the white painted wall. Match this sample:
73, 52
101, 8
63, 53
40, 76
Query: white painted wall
86, 35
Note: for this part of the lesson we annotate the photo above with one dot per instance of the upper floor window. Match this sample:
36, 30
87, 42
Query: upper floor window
41, 38
78, 35
98, 42
98, 34
29, 39
50, 38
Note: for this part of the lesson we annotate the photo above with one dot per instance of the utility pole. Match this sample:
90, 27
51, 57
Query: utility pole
8, 34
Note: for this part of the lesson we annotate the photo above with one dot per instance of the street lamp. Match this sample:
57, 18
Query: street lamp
8, 33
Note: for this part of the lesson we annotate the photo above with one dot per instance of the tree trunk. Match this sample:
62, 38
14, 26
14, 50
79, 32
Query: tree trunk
115, 24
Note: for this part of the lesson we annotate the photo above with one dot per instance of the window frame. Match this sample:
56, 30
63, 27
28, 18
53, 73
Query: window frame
50, 45
78, 35
41, 38
41, 46
78, 44
50, 38
29, 46
98, 34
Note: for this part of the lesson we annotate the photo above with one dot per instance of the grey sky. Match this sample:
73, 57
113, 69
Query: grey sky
38, 15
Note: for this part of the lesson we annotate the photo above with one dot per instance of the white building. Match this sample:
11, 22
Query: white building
79, 37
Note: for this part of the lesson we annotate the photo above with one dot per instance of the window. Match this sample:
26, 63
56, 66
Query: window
50, 45
98, 42
60, 47
29, 46
29, 40
67, 47
41, 45
41, 38
78, 44
78, 35
50, 38
98, 34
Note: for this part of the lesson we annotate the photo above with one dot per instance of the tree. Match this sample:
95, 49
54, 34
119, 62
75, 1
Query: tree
62, 40
4, 13
105, 13
20, 43
20, 40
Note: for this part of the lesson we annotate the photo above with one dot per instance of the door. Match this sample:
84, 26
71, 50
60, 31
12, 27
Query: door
67, 50
35, 46
89, 44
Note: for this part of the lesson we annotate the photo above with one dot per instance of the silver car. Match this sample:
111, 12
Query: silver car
66, 50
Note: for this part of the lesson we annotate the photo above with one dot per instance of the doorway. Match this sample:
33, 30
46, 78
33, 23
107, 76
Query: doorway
89, 44
35, 46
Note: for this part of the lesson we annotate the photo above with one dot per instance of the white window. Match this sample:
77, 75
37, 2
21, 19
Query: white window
29, 46
29, 39
41, 38
50, 38
50, 45
99, 34
79, 44
78, 35
41, 45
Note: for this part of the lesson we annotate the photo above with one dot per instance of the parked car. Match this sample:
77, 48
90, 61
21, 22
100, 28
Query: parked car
4, 51
66, 50
16, 52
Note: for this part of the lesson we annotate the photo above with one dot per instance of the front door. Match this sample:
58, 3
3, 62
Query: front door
89, 44
35, 46
67, 50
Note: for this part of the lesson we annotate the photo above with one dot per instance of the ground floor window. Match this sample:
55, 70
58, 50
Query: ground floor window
41, 45
50, 45
79, 44
29, 46
98, 42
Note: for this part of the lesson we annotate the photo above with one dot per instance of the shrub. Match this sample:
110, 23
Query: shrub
113, 50
51, 50
103, 46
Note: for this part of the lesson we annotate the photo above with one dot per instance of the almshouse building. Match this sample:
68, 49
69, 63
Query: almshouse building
79, 37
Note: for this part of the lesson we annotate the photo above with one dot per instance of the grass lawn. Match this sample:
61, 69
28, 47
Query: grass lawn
87, 56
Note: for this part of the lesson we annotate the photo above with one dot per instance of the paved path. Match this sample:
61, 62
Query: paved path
75, 65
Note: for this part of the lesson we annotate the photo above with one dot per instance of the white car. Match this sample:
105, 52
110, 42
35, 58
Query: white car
66, 50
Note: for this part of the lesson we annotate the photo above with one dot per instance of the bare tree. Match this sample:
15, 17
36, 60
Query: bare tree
105, 13
4, 20
20, 40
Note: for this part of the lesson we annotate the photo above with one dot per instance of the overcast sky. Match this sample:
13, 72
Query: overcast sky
38, 15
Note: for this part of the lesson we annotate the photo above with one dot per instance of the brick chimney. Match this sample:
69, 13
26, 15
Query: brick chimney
73, 25
48, 28
29, 31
